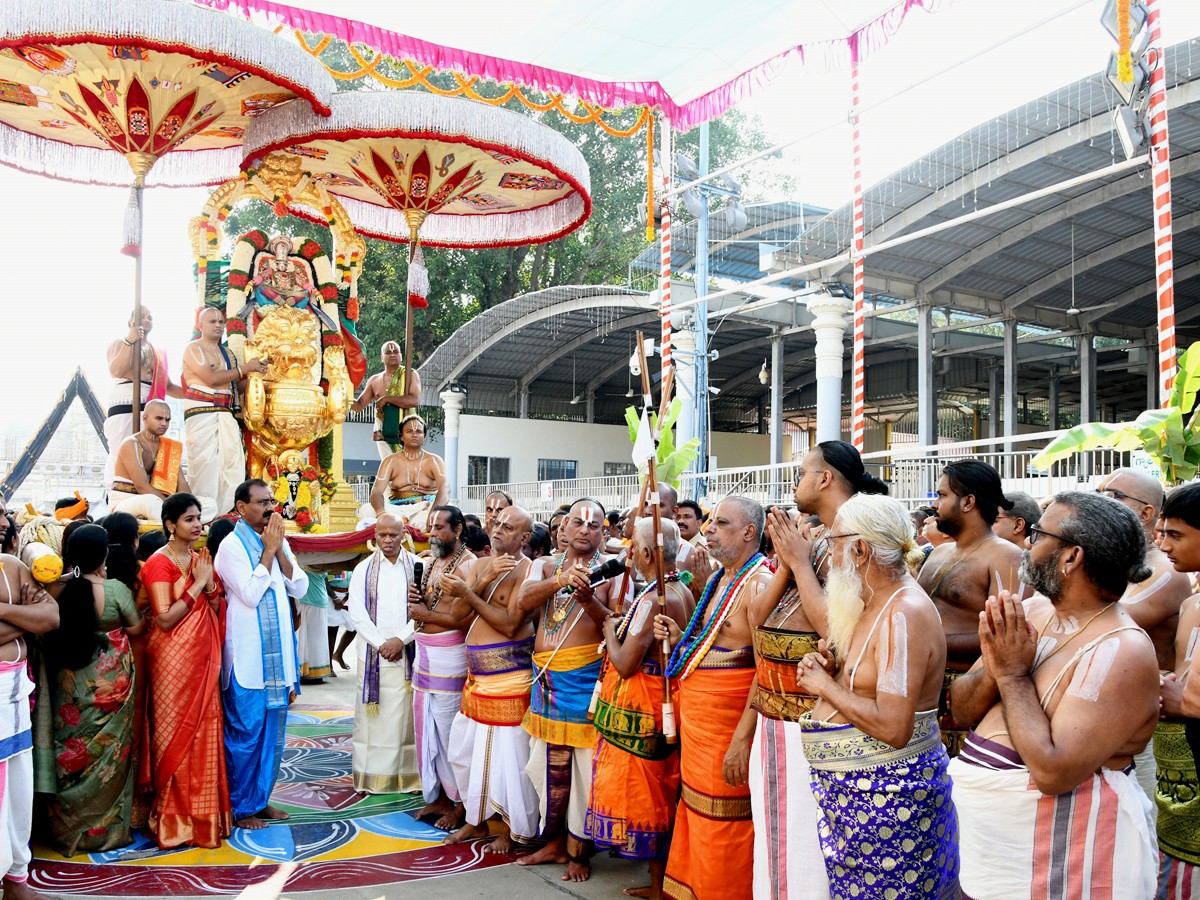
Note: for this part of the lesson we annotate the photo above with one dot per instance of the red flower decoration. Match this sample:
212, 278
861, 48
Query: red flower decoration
74, 756
257, 237
303, 518
69, 713
238, 279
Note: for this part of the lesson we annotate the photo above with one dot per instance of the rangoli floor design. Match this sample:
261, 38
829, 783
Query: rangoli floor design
338, 837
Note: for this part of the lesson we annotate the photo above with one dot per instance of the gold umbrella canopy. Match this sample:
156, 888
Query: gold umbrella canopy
462, 173
144, 78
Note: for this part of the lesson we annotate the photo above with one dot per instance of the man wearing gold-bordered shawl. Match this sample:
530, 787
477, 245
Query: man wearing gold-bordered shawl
384, 749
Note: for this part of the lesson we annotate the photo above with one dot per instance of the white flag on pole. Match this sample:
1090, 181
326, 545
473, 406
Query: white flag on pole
643, 445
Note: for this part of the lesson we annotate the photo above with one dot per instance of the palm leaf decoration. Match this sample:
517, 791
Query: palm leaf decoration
670, 461
1170, 436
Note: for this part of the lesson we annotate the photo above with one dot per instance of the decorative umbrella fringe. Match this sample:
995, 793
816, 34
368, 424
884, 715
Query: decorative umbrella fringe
368, 110
92, 165
139, 21
535, 225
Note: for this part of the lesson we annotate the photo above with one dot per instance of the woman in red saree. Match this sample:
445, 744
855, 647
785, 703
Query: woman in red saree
187, 747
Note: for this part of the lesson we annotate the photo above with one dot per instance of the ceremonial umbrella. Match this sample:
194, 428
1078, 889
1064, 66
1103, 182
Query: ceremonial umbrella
143, 78
450, 173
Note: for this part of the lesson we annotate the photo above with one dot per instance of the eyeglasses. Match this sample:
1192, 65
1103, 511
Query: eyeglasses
269, 501
1121, 495
800, 475
834, 537
1035, 533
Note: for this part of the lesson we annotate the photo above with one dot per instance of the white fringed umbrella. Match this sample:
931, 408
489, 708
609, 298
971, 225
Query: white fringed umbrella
85, 83
435, 170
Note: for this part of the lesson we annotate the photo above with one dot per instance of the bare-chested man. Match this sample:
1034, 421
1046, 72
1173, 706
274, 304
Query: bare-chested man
383, 389
26, 608
1177, 738
489, 748
566, 665
149, 468
635, 781
211, 374
155, 383
714, 662
960, 576
441, 667
1014, 523
493, 504
411, 476
884, 683
1065, 694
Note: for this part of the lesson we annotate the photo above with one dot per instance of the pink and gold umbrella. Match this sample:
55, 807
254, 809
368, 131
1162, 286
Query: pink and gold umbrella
434, 170
84, 84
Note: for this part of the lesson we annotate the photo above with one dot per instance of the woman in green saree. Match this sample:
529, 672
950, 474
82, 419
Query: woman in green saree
92, 679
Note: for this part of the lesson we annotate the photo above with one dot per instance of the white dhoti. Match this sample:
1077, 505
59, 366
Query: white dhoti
1016, 842
787, 848
148, 507
312, 642
489, 749
16, 771
216, 457
438, 678
384, 757
1146, 772
549, 776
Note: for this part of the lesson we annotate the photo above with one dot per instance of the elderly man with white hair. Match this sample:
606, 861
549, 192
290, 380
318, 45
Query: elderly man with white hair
872, 740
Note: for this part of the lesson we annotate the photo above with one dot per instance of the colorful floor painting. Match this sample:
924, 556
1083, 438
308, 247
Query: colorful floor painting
338, 837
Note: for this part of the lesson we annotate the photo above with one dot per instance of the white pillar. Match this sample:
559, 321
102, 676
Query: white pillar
683, 358
1052, 397
776, 399
926, 389
453, 403
993, 401
1010, 391
589, 414
829, 325
1087, 377
523, 401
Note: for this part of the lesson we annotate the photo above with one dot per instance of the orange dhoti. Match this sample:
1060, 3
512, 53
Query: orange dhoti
187, 748
712, 852
635, 777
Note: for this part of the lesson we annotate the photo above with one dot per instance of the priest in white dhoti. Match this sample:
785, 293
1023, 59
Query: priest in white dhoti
384, 756
212, 437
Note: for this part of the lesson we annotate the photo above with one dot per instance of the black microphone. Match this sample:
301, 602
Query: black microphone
418, 572
602, 572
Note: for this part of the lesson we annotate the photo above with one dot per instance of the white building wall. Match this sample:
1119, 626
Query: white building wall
525, 441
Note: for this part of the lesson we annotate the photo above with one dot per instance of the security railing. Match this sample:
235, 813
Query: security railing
911, 472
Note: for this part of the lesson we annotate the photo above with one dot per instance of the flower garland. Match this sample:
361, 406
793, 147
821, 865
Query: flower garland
691, 647
316, 487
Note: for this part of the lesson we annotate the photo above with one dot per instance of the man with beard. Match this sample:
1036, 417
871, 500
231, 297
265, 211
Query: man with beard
565, 668
1065, 694
489, 748
962, 573
872, 738
441, 667
712, 851
384, 758
635, 781
1177, 737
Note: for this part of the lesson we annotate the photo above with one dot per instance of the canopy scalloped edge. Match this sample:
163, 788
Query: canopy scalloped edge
404, 113
610, 94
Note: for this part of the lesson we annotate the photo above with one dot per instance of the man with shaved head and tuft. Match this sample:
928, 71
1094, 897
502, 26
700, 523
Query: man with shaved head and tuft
394, 393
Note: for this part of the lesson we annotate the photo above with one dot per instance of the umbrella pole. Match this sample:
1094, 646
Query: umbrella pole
138, 188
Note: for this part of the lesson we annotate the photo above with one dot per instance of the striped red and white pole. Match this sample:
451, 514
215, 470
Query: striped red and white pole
664, 288
858, 376
1160, 167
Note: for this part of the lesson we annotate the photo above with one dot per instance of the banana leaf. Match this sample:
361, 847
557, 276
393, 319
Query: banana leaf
1089, 436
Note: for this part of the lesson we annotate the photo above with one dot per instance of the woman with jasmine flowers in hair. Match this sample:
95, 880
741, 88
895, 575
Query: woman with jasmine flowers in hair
92, 677
879, 772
